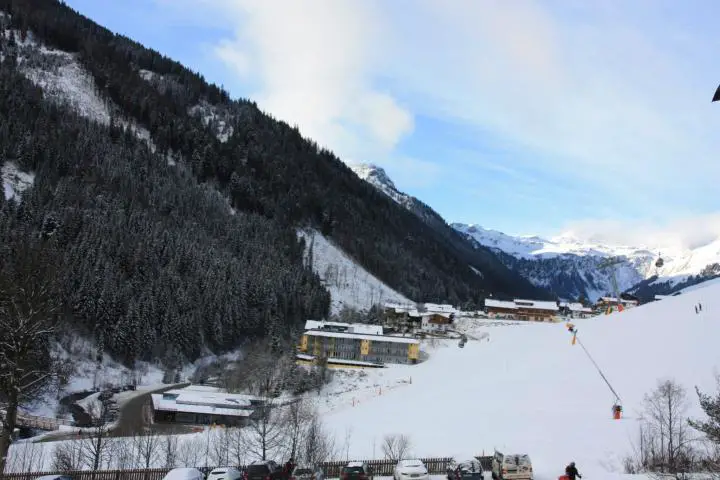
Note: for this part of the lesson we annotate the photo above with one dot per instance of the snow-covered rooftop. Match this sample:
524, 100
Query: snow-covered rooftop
536, 304
350, 327
361, 336
492, 303
188, 406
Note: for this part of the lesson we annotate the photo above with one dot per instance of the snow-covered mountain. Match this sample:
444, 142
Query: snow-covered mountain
568, 266
378, 178
571, 267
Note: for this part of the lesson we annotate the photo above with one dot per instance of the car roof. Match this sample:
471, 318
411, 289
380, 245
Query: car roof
355, 464
411, 461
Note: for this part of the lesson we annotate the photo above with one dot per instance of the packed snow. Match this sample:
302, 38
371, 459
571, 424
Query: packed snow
527, 389
14, 181
349, 284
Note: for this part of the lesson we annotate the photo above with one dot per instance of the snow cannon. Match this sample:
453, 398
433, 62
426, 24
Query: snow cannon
563, 477
617, 412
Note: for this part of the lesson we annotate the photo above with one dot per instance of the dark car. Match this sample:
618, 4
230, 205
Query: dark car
467, 470
263, 470
356, 471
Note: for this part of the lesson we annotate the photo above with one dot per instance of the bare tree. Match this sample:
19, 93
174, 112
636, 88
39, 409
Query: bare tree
190, 451
95, 444
238, 446
396, 447
169, 450
67, 456
267, 432
28, 310
666, 442
316, 446
148, 448
296, 419
122, 452
221, 446
26, 457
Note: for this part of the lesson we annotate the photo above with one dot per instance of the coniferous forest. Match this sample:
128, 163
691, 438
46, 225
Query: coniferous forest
149, 259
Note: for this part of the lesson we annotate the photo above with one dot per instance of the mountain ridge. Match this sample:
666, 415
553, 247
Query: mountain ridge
570, 267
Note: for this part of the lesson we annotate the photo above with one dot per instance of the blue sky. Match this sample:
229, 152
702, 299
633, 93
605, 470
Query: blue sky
527, 117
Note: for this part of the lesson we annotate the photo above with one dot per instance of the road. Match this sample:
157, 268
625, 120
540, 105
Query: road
135, 413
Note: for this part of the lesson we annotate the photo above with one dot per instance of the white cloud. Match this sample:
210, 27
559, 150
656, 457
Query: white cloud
612, 95
315, 64
688, 233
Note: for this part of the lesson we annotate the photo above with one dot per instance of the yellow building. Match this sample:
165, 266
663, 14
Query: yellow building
359, 347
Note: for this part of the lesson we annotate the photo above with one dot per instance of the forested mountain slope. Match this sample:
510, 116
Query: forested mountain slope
152, 261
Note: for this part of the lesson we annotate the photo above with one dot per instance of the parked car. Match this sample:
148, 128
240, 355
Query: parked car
511, 467
467, 470
307, 473
184, 474
263, 470
225, 473
357, 471
410, 470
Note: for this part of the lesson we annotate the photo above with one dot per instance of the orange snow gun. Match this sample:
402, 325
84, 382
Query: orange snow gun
563, 477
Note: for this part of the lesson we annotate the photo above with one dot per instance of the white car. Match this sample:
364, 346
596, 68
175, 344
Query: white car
411, 470
225, 473
184, 474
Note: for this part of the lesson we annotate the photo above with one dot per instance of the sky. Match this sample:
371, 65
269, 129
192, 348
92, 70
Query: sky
528, 117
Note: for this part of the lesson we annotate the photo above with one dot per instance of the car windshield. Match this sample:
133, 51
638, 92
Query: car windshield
354, 469
303, 471
218, 472
257, 469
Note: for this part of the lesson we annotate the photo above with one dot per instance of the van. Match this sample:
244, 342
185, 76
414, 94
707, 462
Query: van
511, 467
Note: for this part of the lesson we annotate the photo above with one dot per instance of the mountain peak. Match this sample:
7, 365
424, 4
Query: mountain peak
374, 174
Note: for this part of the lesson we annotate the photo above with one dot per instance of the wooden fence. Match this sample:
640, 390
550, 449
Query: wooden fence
381, 468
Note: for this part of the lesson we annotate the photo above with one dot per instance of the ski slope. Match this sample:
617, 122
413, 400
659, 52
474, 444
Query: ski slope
527, 389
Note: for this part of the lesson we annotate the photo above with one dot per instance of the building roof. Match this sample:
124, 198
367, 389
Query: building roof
576, 307
614, 300
167, 405
361, 336
437, 308
536, 304
350, 327
492, 303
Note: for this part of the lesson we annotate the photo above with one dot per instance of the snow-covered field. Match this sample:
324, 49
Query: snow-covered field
349, 284
524, 388
528, 389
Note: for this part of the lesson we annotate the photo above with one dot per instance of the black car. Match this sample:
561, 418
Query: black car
467, 470
356, 471
263, 470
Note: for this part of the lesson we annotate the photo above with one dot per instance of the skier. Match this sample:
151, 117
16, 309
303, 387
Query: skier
572, 472
696, 310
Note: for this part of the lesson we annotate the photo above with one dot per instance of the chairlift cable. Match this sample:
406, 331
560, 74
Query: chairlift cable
617, 397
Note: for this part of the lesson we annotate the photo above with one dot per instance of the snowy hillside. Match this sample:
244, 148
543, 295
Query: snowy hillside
570, 266
529, 390
14, 181
349, 284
